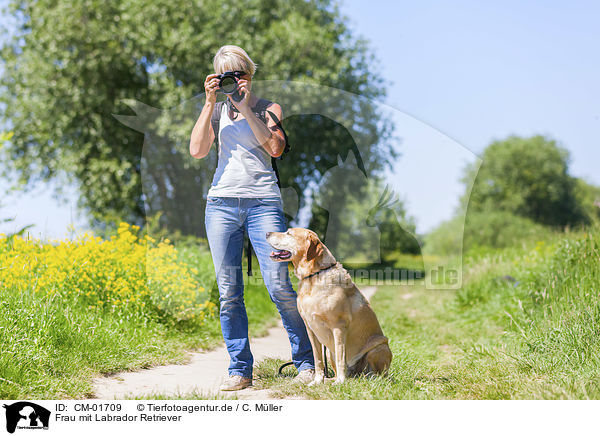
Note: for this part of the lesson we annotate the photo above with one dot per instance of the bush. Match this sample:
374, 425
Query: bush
483, 230
588, 196
500, 230
127, 273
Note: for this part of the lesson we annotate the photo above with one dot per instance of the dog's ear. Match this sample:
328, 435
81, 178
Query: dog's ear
315, 248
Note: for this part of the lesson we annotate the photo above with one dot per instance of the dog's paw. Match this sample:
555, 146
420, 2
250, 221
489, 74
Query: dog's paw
317, 381
339, 380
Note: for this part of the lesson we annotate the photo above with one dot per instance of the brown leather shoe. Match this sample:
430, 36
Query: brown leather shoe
235, 383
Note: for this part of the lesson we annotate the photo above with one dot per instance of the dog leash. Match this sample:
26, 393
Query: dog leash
324, 363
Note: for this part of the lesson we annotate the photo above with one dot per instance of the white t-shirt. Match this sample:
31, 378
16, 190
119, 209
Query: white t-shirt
244, 168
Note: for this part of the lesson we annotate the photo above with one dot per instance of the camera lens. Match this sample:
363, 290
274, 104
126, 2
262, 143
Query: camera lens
228, 85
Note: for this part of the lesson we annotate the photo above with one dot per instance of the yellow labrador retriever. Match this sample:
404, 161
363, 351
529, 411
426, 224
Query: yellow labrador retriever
336, 314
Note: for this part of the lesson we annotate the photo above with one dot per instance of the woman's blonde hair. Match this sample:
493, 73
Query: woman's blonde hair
233, 58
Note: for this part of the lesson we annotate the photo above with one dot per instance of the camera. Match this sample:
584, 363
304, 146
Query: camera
228, 83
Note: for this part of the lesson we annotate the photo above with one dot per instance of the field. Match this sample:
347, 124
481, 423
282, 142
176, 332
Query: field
525, 325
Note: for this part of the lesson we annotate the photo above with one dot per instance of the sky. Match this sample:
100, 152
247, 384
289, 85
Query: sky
459, 75
480, 71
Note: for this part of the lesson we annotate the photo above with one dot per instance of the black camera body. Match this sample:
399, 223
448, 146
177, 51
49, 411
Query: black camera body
228, 83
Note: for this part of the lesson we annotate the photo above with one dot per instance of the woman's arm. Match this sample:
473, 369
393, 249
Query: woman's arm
269, 135
202, 134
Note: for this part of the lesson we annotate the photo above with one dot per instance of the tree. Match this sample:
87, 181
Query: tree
359, 218
70, 66
5, 137
527, 177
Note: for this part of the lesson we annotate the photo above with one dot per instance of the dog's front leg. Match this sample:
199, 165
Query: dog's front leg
318, 355
339, 336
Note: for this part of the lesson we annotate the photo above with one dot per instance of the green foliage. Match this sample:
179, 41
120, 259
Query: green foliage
483, 230
527, 177
5, 137
500, 230
588, 196
71, 64
445, 239
361, 219
397, 228
521, 190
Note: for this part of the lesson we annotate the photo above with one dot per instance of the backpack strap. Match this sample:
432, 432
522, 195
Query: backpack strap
261, 110
286, 149
215, 119
278, 124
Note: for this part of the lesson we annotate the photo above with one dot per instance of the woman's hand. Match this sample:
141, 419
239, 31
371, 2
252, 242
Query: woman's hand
244, 104
211, 84
202, 134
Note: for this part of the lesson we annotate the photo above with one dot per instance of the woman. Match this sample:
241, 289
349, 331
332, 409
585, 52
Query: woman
244, 196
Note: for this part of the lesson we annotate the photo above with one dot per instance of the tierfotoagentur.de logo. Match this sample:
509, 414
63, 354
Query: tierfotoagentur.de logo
26, 415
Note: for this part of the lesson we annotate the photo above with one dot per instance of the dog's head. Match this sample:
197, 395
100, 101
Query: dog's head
302, 247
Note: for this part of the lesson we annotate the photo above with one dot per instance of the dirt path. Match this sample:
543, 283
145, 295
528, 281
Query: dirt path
202, 375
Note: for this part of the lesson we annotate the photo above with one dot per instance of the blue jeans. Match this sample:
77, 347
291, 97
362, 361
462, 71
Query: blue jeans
226, 219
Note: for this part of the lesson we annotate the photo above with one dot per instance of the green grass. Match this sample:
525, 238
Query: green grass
525, 325
534, 338
262, 313
52, 348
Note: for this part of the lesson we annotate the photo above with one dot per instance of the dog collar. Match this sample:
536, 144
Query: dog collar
320, 271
